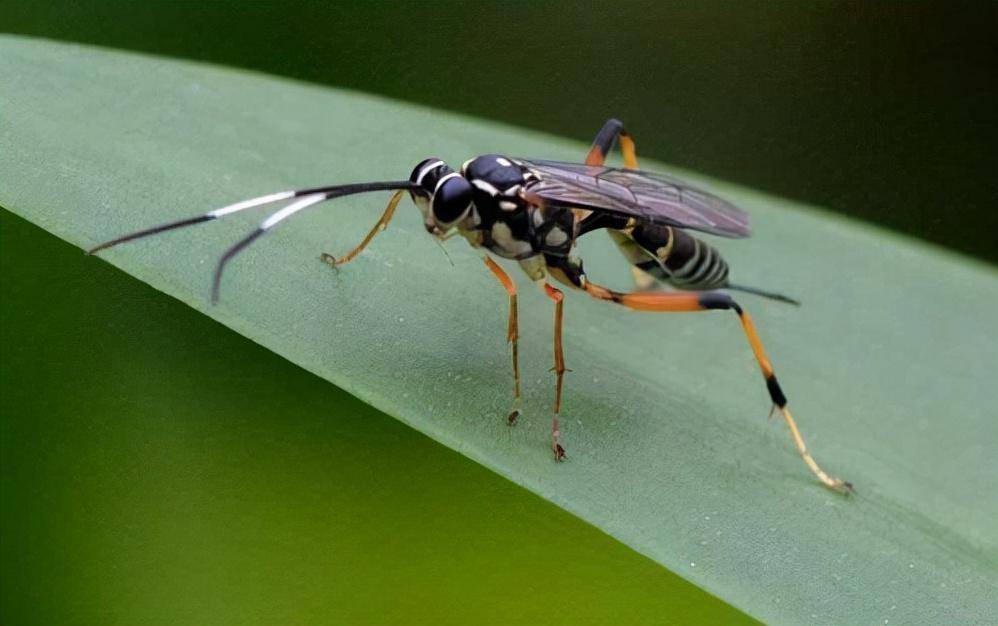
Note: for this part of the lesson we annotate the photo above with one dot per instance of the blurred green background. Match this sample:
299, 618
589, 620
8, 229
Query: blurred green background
194, 513
880, 110
159, 468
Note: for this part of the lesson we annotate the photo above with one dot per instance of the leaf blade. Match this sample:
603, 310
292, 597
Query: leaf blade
180, 138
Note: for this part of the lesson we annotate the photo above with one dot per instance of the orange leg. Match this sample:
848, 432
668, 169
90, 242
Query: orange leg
559, 369
380, 226
512, 333
612, 130
678, 302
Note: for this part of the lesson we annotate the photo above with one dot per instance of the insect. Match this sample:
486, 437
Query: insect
533, 211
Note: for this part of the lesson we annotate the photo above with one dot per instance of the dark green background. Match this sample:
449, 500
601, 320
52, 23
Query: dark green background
882, 110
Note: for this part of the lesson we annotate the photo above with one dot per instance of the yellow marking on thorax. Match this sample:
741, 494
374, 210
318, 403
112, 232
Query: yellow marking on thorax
473, 237
664, 252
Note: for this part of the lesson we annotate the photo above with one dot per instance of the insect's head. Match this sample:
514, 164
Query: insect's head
443, 195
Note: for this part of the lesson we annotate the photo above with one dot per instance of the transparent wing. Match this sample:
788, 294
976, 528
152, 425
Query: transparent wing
654, 198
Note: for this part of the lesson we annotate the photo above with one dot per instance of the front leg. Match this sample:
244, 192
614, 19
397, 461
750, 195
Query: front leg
378, 227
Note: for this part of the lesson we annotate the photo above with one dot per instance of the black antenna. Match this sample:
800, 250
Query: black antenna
151, 231
308, 197
207, 217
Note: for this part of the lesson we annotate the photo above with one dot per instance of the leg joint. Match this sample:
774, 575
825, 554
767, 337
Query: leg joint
775, 392
719, 300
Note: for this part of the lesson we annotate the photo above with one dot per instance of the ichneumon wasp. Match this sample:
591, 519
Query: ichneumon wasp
533, 211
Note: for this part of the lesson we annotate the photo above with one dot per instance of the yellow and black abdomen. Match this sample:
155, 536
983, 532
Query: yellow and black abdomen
673, 256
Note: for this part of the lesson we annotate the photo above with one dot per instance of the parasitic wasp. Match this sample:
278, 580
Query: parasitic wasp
533, 211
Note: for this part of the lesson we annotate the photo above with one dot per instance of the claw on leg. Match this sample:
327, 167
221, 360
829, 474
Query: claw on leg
559, 452
512, 334
381, 225
514, 415
559, 369
666, 302
329, 260
835, 484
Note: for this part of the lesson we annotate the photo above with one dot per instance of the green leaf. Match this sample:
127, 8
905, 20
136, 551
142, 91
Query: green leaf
889, 365
210, 481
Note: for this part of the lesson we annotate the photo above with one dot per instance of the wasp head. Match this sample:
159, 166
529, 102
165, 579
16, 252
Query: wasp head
443, 195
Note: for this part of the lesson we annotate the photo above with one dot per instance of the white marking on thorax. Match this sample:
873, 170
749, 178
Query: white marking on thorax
503, 237
555, 237
486, 187
537, 217
535, 268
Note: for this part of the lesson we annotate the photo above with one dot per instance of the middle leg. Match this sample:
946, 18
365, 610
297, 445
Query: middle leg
559, 368
538, 268
512, 333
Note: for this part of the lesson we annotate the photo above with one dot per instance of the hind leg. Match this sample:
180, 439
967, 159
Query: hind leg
690, 302
641, 261
613, 130
571, 271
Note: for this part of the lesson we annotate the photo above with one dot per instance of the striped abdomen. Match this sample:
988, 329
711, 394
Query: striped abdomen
673, 256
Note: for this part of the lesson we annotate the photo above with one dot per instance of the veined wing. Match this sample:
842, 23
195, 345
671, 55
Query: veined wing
654, 198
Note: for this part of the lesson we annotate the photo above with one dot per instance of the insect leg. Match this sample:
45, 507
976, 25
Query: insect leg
559, 368
380, 226
612, 130
602, 145
711, 300
512, 333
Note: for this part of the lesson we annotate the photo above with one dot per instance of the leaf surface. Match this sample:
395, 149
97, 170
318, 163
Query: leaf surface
889, 365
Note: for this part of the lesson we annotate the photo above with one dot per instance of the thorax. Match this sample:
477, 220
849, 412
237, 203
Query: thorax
503, 222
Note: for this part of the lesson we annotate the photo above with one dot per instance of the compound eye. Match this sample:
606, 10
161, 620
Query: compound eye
452, 200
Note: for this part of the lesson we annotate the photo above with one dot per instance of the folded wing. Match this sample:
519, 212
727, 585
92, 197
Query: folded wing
653, 198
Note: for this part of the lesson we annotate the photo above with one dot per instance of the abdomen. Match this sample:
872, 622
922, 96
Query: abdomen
673, 256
